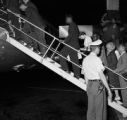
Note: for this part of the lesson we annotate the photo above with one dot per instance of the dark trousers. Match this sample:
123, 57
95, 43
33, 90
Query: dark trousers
96, 101
15, 22
39, 43
40, 36
123, 84
73, 57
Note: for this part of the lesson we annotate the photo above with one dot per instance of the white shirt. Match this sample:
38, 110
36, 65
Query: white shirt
87, 41
91, 66
122, 53
117, 54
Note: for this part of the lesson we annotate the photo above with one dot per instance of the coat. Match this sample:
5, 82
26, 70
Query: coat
122, 64
112, 64
122, 68
73, 35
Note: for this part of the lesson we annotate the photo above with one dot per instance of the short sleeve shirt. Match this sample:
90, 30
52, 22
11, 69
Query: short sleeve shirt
87, 41
91, 66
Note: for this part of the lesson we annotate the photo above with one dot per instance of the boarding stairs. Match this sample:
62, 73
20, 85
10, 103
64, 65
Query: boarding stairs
48, 61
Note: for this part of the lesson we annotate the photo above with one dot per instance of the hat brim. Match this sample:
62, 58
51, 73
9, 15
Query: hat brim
96, 43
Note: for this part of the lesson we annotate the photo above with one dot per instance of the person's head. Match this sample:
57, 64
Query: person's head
82, 35
110, 46
69, 19
113, 20
121, 48
26, 1
23, 7
95, 49
95, 37
95, 46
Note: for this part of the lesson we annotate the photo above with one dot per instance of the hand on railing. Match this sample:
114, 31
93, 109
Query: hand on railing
18, 15
62, 41
116, 71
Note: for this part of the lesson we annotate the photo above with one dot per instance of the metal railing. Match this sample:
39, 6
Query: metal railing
49, 47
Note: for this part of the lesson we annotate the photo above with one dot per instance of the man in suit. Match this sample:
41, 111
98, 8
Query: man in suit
122, 69
73, 41
31, 14
111, 31
3, 15
112, 64
13, 5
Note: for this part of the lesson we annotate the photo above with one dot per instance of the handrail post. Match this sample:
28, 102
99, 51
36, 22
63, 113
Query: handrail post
55, 50
48, 48
54, 39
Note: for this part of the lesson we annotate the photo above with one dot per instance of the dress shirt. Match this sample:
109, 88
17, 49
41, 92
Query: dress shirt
91, 66
87, 41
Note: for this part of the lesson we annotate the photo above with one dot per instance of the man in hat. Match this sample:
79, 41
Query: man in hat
96, 84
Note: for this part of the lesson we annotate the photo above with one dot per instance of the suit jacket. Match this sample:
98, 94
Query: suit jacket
112, 60
122, 64
73, 34
32, 15
112, 63
103, 56
111, 30
13, 5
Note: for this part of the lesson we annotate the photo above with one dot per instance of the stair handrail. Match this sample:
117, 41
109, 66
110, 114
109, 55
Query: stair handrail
113, 104
64, 44
48, 47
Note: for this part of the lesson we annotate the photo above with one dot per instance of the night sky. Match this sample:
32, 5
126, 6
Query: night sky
83, 11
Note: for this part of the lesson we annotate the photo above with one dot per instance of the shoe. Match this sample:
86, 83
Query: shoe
67, 71
56, 57
119, 102
82, 80
77, 76
30, 47
37, 51
22, 42
117, 98
72, 74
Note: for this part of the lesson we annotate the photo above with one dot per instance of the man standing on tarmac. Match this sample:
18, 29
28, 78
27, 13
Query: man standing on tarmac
96, 84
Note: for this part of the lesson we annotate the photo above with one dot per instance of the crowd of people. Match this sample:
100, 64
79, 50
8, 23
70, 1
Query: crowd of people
27, 10
105, 48
108, 48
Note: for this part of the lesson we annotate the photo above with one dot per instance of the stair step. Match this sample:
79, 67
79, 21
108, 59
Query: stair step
52, 65
55, 63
